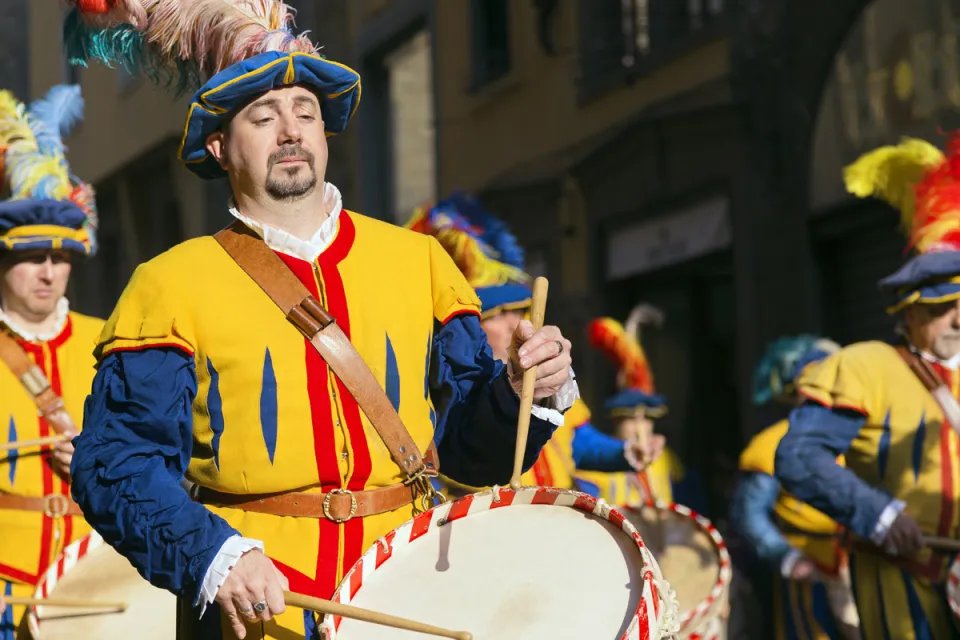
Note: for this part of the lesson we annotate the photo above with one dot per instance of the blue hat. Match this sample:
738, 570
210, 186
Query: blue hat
482, 247
926, 278
626, 403
246, 49
47, 208
783, 362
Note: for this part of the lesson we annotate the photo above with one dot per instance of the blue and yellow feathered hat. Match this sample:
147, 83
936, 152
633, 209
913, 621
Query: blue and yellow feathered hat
482, 247
45, 206
621, 343
243, 48
782, 363
923, 183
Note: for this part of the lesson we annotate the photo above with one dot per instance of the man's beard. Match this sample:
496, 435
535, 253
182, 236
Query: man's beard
291, 186
946, 346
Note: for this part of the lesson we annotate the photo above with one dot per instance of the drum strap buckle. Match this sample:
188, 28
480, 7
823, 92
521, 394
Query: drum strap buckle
419, 481
326, 505
55, 506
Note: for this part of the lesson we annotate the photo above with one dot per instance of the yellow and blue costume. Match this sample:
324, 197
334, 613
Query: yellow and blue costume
492, 261
780, 528
201, 376
866, 403
47, 209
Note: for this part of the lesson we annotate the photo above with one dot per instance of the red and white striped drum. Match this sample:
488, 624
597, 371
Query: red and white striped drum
90, 569
535, 563
694, 560
953, 586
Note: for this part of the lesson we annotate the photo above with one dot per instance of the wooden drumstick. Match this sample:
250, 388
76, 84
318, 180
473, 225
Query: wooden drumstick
941, 544
537, 307
39, 442
82, 604
376, 617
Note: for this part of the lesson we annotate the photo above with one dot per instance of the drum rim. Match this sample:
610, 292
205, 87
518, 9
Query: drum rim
953, 591
651, 614
68, 558
697, 615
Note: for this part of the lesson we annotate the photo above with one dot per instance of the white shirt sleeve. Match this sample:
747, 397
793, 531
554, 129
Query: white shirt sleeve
223, 562
562, 400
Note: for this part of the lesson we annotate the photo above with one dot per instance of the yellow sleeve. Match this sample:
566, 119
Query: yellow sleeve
577, 415
150, 313
760, 451
452, 294
842, 381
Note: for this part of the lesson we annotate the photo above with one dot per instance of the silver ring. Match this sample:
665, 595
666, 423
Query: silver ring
260, 607
559, 346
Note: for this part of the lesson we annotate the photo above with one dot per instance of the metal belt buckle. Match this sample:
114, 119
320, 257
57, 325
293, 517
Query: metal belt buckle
326, 505
420, 482
55, 505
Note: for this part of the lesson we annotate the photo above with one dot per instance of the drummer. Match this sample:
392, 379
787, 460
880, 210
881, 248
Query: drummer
632, 411
812, 584
46, 225
492, 261
201, 375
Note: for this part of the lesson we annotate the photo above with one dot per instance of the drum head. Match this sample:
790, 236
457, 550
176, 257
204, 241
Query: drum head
103, 575
528, 571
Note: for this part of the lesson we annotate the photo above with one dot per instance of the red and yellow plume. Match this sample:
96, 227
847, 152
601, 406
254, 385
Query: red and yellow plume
921, 182
622, 345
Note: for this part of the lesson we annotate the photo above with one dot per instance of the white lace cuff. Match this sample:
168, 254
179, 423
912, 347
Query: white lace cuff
223, 562
551, 409
789, 562
631, 457
887, 516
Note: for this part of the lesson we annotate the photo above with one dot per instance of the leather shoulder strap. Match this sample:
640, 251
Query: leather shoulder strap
933, 383
316, 324
36, 384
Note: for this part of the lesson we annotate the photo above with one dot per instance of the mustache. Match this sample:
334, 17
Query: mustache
295, 152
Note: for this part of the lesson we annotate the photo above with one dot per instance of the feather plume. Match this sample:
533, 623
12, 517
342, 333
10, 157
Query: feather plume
495, 232
643, 315
183, 39
891, 173
15, 131
936, 225
609, 337
55, 115
783, 361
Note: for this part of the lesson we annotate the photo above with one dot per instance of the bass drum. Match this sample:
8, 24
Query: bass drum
90, 569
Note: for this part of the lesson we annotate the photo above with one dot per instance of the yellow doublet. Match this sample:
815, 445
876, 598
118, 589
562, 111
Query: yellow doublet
269, 416
906, 447
29, 540
810, 531
628, 488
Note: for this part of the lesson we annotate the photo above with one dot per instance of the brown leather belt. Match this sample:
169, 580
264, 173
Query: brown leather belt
54, 505
338, 505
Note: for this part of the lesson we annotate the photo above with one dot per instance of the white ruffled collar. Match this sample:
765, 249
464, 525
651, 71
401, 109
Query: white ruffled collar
288, 244
62, 311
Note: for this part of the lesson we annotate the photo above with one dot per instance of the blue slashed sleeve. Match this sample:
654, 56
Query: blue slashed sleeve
130, 458
806, 465
476, 408
750, 510
596, 451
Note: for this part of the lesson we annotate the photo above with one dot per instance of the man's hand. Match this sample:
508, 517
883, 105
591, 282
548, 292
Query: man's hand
545, 349
803, 570
253, 580
904, 537
641, 456
62, 455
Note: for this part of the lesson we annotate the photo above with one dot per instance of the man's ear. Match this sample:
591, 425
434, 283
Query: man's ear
217, 148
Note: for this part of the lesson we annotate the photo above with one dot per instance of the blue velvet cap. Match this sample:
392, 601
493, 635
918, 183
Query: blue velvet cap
928, 277
626, 402
337, 84
35, 223
504, 297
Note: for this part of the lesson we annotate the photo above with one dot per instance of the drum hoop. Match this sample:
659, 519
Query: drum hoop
652, 610
71, 555
725, 574
953, 590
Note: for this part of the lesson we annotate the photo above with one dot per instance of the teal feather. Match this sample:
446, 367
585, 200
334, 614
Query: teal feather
783, 361
54, 116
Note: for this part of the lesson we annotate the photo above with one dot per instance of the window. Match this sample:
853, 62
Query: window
490, 40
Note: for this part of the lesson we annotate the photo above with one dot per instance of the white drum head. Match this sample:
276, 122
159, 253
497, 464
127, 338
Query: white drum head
529, 571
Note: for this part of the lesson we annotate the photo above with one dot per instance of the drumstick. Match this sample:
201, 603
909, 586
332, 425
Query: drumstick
942, 544
84, 604
39, 442
537, 307
376, 617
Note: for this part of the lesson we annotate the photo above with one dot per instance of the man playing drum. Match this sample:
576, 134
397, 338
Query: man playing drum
201, 375
811, 591
47, 222
892, 411
490, 258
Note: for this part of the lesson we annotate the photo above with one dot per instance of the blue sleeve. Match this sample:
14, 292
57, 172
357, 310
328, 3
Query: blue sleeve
596, 451
477, 409
753, 501
130, 457
806, 465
